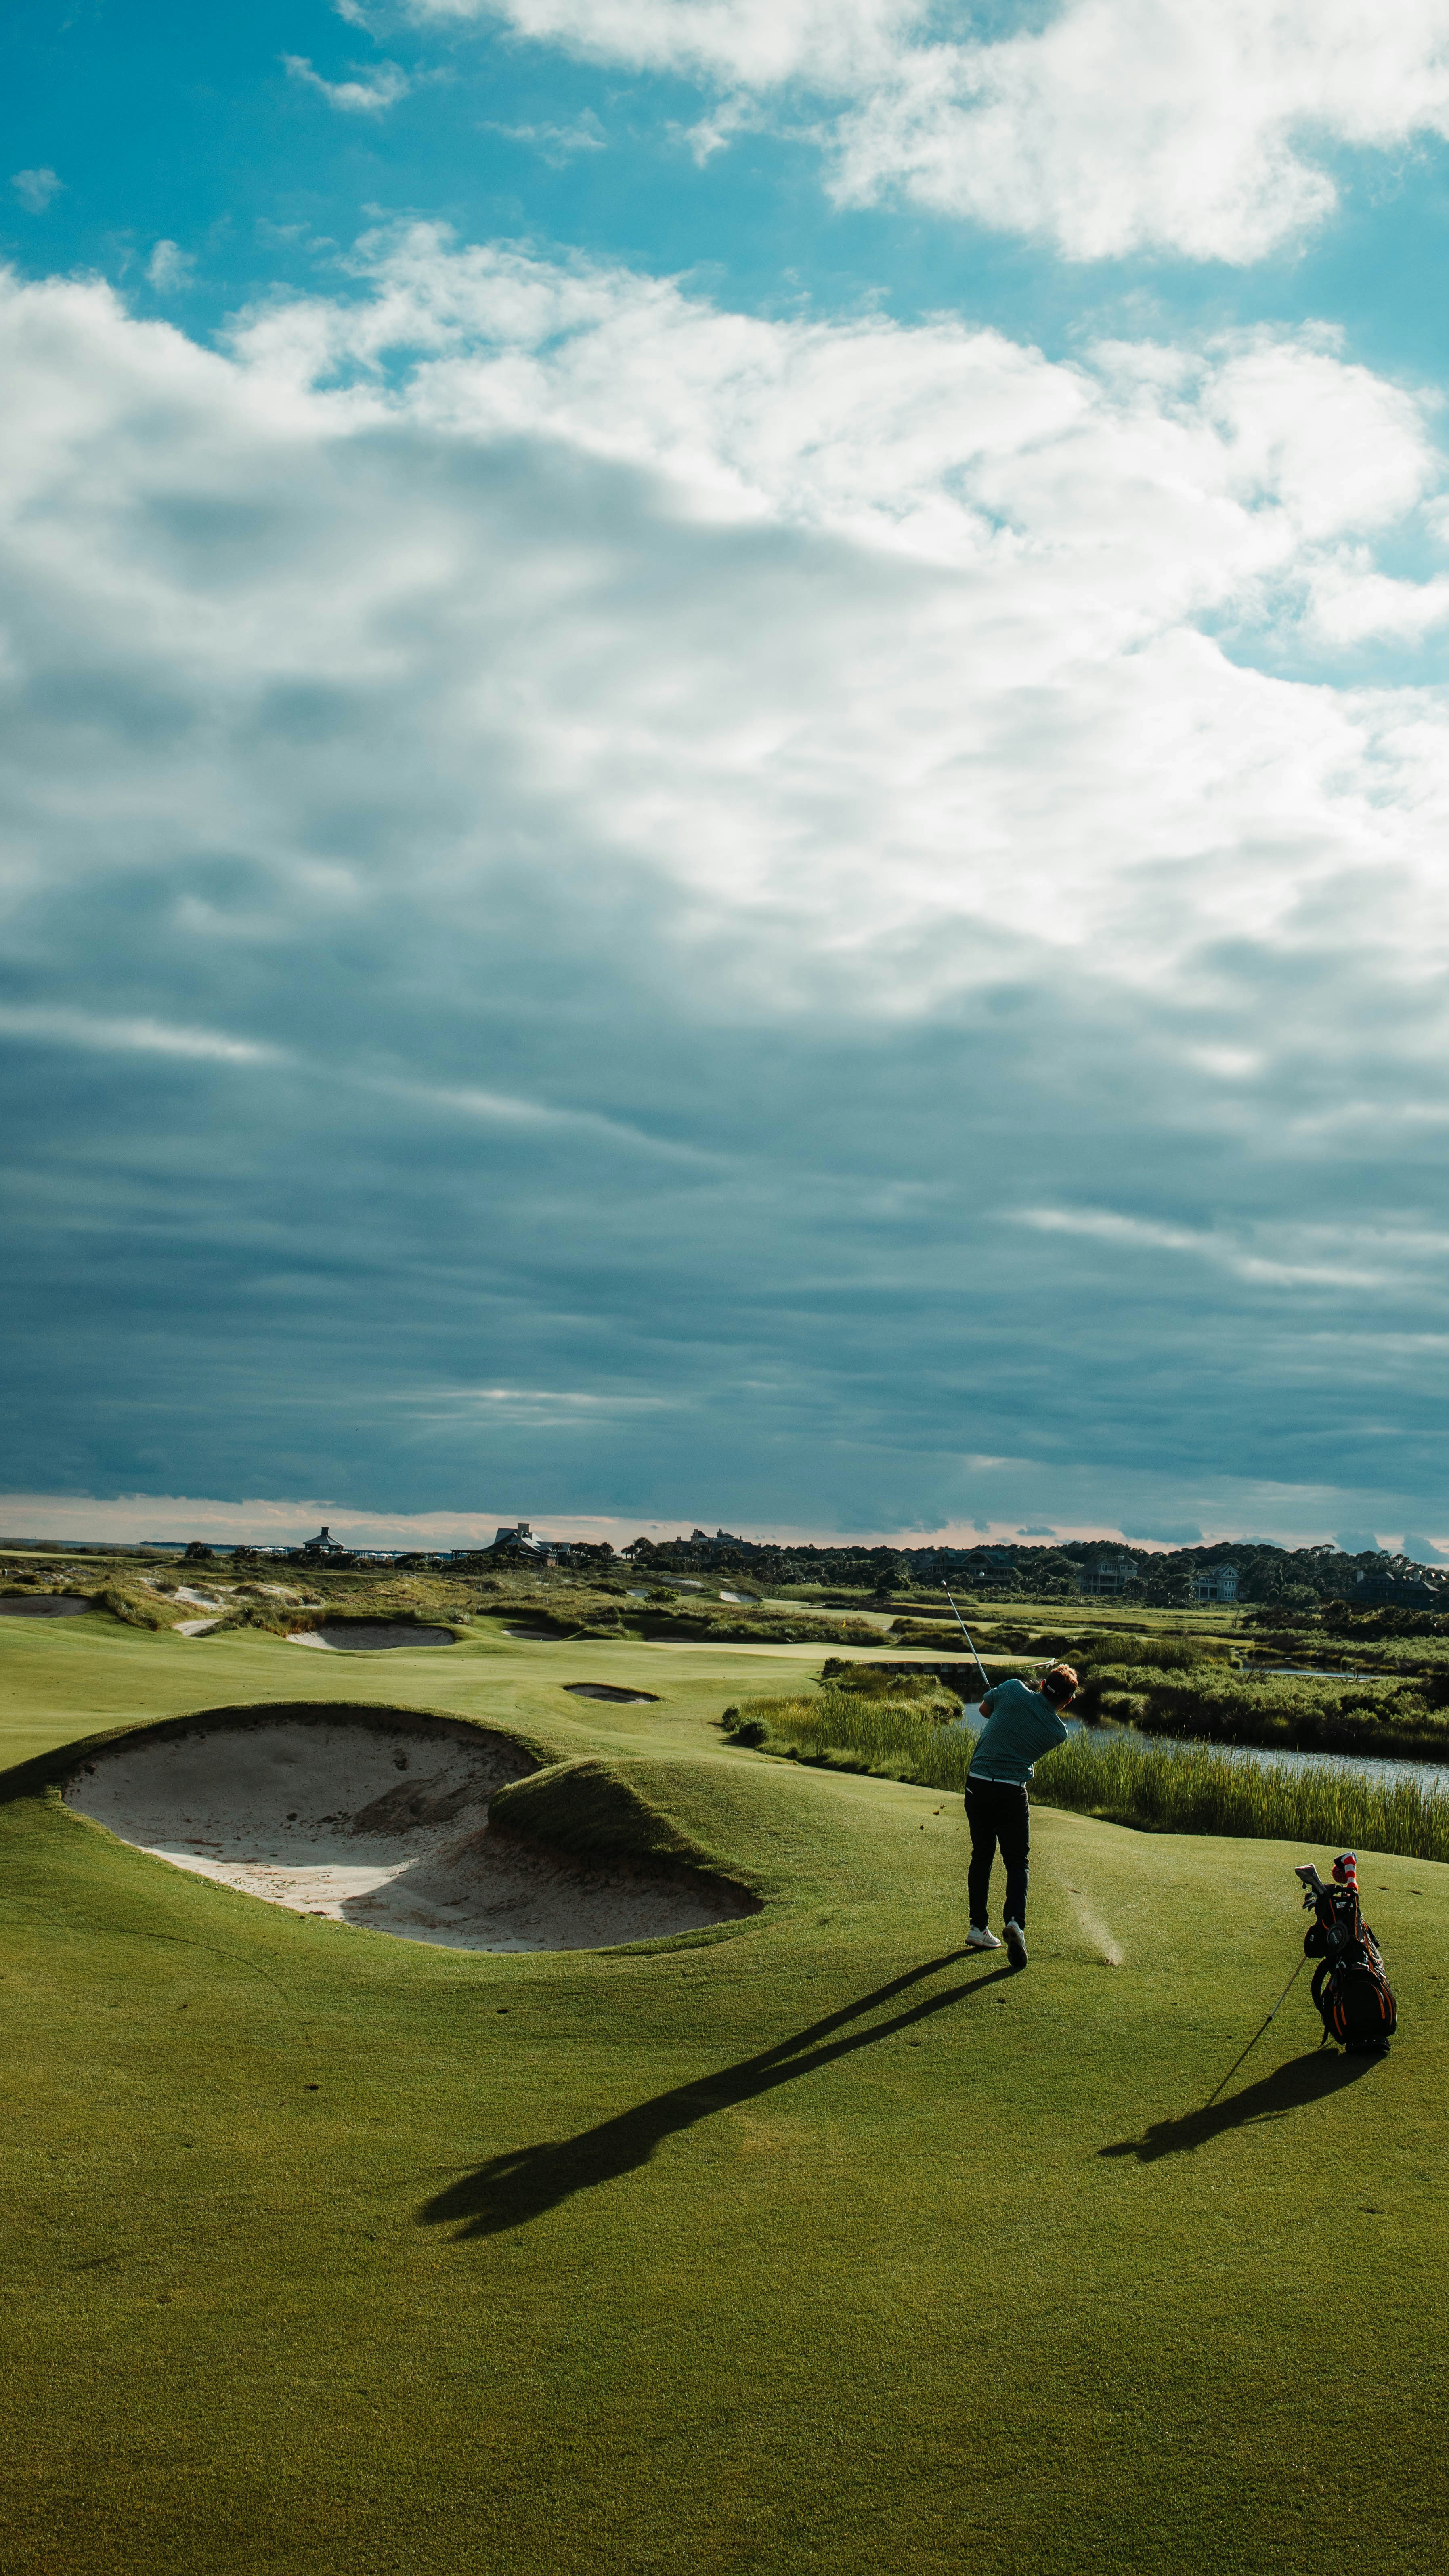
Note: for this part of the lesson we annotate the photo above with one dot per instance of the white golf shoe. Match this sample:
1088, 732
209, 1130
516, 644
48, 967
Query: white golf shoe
978, 1938
1015, 1943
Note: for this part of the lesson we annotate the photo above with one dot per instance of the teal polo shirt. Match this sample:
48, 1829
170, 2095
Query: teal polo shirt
1021, 1725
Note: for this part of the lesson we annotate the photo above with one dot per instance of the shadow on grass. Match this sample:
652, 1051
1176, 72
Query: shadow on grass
1288, 2088
511, 2189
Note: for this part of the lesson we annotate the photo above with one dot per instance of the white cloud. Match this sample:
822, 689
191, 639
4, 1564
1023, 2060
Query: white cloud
169, 267
1118, 126
984, 696
55, 1025
1352, 602
371, 94
714, 131
1130, 125
1004, 680
500, 1109
831, 44
1227, 1063
555, 144
1289, 1257
36, 189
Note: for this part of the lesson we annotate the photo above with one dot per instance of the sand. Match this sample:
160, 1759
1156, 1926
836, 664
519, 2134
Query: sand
370, 1636
45, 1605
376, 1822
606, 1690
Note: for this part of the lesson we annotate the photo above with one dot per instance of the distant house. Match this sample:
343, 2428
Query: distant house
1215, 1583
1399, 1589
517, 1540
984, 1565
1110, 1574
324, 1544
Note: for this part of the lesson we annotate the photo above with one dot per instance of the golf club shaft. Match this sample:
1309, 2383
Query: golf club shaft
966, 1633
1258, 2033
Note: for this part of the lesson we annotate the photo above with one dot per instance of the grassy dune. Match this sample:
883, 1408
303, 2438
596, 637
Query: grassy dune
815, 2246
279, 1599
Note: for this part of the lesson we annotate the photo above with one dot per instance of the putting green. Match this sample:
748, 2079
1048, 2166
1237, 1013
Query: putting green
807, 2244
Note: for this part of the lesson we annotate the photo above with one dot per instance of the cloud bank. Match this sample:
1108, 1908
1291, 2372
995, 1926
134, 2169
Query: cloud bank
671, 913
1118, 126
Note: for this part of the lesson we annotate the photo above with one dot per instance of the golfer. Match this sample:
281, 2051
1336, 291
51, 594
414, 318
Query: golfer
1020, 1726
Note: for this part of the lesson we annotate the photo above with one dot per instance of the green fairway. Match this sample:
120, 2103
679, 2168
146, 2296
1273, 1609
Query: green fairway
808, 2244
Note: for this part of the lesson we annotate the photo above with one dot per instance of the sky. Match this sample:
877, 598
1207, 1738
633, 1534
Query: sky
727, 767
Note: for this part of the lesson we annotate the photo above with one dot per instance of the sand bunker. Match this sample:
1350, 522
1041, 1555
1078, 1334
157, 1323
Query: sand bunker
45, 1605
360, 1815
534, 1636
370, 1636
606, 1690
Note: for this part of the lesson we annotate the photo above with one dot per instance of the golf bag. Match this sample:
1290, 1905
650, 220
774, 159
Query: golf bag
1350, 1987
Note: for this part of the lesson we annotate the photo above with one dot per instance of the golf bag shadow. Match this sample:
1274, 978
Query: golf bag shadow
1350, 1986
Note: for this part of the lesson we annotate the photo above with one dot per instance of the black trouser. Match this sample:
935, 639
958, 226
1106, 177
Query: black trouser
997, 1812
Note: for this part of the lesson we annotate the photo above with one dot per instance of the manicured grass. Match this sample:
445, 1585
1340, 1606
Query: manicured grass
815, 2245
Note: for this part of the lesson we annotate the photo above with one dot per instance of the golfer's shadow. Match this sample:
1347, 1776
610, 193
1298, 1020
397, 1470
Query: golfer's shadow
1289, 2088
511, 2189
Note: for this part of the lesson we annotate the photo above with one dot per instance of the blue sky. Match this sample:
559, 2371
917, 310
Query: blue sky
728, 766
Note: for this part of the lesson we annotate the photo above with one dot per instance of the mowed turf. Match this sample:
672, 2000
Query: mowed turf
813, 2244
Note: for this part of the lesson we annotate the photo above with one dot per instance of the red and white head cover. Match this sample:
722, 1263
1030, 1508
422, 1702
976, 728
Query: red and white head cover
1345, 1871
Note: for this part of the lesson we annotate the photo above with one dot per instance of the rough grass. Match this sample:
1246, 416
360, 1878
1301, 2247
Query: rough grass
565, 1605
820, 2251
592, 1613
1171, 1789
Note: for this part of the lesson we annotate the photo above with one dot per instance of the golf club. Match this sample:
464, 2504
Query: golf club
966, 1633
1257, 2035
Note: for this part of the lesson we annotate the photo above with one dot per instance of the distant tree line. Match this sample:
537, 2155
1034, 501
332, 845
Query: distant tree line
1280, 1578
1271, 1579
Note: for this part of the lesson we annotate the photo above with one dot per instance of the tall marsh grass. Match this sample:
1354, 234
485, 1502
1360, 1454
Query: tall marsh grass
1172, 1789
1319, 1716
